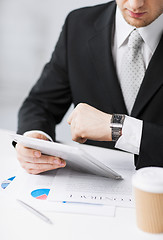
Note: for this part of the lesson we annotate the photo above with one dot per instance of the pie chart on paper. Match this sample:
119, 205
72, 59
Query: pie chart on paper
5, 183
41, 193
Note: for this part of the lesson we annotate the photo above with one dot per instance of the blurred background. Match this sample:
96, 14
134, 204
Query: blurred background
29, 30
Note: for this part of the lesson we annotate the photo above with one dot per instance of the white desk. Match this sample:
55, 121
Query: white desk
17, 223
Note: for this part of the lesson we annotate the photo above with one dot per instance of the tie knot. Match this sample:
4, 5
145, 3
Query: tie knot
135, 40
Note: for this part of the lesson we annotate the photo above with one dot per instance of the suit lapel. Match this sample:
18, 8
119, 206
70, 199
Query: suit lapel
100, 49
152, 81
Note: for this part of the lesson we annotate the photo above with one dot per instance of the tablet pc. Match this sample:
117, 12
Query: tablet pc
75, 157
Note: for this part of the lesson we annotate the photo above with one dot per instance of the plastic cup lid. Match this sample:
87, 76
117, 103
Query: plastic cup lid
149, 179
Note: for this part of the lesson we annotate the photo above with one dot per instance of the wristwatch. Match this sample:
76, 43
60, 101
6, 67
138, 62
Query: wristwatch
116, 125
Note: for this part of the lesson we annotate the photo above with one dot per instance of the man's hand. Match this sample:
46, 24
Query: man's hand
33, 161
89, 123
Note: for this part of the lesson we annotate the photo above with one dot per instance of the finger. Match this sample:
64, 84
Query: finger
38, 168
76, 133
79, 139
27, 152
69, 120
45, 159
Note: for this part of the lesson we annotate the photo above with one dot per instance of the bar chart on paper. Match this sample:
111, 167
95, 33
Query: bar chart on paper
41, 193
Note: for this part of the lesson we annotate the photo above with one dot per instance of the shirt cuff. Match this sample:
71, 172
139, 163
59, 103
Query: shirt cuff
38, 131
131, 135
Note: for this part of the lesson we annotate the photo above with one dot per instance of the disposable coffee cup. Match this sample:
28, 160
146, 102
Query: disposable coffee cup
148, 191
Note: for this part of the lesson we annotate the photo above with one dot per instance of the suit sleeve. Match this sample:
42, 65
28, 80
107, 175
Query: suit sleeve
50, 97
151, 148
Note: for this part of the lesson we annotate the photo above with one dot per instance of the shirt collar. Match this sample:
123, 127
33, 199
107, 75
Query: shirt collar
122, 28
151, 34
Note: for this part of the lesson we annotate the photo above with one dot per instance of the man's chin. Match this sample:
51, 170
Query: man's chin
137, 22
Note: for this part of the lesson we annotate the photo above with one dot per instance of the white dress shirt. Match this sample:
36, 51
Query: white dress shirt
132, 128
151, 34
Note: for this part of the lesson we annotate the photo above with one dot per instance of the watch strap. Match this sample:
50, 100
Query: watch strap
116, 125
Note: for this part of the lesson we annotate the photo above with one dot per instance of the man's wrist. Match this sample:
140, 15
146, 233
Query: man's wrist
39, 132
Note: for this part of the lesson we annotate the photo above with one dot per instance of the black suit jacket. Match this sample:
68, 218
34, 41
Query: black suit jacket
81, 69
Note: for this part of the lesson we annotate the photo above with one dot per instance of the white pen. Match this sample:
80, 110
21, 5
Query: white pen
34, 211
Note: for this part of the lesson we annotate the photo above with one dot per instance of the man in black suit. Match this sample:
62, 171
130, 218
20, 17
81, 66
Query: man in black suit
86, 69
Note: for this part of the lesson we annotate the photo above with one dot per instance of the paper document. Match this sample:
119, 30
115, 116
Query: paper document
75, 157
70, 186
34, 190
66, 186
